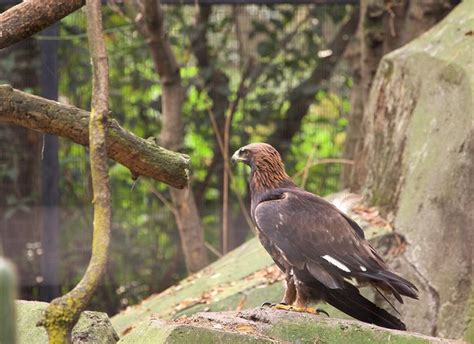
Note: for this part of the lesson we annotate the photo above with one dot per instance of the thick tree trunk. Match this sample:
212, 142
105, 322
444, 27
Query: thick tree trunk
186, 212
172, 131
382, 28
419, 148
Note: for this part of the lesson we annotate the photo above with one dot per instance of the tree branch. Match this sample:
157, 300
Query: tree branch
98, 154
302, 96
62, 313
140, 156
29, 17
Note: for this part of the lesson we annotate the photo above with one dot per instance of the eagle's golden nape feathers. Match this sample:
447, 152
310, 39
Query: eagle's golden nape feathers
315, 244
268, 169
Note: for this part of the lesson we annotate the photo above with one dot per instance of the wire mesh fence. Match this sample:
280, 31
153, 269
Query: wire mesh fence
281, 45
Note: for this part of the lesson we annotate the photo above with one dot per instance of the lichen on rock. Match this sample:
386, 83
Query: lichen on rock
420, 143
93, 327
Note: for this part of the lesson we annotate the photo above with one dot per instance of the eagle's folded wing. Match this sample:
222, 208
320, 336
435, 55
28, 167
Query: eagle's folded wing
313, 234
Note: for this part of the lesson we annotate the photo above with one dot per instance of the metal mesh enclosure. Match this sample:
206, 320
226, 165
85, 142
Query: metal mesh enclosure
45, 193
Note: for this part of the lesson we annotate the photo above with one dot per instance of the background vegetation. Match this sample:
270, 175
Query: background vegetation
269, 49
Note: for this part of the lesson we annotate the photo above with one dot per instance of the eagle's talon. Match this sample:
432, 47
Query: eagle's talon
322, 311
280, 305
317, 311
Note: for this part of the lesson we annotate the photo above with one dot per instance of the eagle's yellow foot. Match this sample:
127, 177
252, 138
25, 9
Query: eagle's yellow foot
311, 310
283, 306
272, 305
317, 311
280, 305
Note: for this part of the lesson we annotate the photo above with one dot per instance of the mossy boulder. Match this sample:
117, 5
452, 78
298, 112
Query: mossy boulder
221, 303
7, 303
92, 327
265, 325
419, 143
236, 280
242, 279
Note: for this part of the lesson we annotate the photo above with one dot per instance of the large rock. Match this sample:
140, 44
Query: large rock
242, 279
264, 325
92, 327
420, 149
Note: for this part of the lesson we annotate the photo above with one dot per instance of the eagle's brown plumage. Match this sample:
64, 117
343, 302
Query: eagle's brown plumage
318, 247
269, 170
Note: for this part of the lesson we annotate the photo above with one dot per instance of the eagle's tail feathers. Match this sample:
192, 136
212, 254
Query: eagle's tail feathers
391, 281
399, 284
350, 301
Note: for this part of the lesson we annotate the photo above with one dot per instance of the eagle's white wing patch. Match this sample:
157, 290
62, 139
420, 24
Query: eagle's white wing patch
336, 263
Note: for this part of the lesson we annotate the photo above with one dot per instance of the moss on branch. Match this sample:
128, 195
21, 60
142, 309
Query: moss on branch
63, 313
142, 157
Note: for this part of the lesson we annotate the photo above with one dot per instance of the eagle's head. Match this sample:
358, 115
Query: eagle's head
256, 154
267, 166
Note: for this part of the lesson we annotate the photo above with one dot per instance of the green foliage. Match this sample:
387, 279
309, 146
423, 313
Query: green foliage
322, 136
284, 42
144, 245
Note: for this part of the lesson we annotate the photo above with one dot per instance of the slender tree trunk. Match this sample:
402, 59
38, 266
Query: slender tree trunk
217, 85
382, 28
62, 313
186, 212
151, 25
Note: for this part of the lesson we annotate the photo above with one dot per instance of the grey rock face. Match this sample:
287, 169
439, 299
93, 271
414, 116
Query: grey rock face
420, 144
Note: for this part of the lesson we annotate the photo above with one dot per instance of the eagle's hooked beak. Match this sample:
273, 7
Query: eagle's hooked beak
237, 156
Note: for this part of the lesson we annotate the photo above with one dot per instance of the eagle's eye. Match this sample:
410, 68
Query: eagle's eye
243, 152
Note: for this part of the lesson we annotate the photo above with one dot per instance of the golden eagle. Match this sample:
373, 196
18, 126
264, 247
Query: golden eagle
318, 247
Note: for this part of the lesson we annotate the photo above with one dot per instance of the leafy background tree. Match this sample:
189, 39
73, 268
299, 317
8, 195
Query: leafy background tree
249, 62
